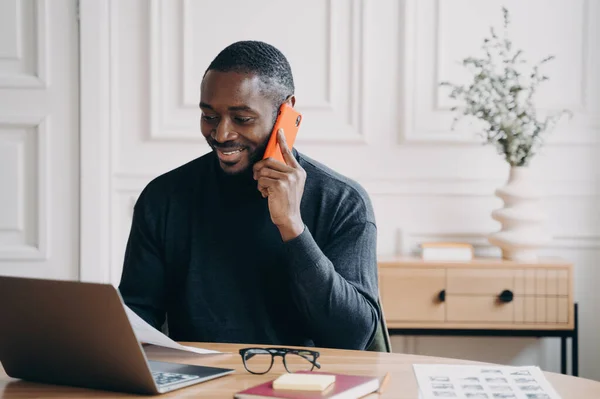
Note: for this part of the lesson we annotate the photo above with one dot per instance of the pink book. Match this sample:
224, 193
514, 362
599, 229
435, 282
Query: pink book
344, 387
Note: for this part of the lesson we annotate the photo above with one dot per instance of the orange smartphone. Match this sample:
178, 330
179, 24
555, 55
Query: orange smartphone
289, 120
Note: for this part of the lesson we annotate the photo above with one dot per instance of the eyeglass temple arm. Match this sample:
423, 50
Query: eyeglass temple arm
313, 362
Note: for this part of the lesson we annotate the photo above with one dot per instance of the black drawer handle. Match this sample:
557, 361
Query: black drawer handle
442, 295
506, 296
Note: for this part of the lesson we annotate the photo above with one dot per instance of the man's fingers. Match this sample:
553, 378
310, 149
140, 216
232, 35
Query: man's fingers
263, 190
268, 172
272, 164
285, 150
263, 185
269, 182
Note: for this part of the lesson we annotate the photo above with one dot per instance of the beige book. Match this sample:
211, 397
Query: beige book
304, 382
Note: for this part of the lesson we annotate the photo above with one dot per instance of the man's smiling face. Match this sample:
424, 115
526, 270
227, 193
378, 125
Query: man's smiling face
237, 118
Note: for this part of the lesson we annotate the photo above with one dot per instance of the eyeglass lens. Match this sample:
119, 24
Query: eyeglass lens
258, 360
300, 361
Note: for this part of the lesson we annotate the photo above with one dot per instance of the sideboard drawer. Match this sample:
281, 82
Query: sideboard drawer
479, 282
479, 309
413, 294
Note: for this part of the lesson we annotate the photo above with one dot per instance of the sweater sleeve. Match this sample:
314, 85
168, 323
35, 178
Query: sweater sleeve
335, 287
142, 284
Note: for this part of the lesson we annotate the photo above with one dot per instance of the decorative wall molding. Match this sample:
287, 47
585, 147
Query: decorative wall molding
427, 118
98, 123
129, 188
463, 187
408, 241
189, 98
184, 126
39, 80
39, 249
593, 64
155, 30
11, 26
443, 187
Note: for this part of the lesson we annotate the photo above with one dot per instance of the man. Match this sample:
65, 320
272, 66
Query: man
233, 248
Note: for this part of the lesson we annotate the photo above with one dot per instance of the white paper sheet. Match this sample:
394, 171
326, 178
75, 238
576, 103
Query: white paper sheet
147, 334
482, 382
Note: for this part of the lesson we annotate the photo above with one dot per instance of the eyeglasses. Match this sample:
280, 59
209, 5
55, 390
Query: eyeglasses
260, 360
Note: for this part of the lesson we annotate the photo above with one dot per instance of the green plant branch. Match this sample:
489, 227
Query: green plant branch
501, 97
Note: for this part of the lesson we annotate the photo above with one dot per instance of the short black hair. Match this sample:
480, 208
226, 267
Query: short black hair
262, 59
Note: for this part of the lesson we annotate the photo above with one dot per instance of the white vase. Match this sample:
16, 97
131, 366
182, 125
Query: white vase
522, 218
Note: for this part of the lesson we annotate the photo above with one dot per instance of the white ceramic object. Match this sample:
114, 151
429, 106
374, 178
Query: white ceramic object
522, 219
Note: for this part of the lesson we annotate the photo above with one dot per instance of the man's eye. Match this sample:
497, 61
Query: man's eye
209, 118
242, 119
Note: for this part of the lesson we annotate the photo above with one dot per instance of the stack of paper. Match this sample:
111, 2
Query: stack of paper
145, 333
476, 382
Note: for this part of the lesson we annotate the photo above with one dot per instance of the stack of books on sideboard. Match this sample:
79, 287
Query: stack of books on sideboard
446, 251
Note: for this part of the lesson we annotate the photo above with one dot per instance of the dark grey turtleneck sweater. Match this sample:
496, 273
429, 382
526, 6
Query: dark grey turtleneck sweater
203, 251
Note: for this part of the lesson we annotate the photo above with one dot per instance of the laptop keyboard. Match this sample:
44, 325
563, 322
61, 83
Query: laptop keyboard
163, 378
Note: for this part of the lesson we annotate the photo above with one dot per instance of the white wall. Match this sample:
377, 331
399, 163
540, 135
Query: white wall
39, 144
372, 111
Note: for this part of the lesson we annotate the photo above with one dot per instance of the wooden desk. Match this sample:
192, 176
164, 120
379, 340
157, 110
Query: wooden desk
402, 384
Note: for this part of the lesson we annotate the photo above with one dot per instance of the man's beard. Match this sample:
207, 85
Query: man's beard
257, 154
253, 157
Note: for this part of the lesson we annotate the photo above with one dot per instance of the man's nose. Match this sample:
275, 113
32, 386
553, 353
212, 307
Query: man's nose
223, 131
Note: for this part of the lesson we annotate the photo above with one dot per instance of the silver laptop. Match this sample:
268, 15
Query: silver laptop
78, 334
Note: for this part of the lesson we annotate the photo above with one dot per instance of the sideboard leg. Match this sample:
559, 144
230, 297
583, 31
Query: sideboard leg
563, 355
575, 345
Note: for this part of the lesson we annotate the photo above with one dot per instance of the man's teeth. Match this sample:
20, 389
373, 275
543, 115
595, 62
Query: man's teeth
231, 152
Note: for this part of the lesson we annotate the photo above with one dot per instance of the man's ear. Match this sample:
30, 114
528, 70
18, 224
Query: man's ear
291, 100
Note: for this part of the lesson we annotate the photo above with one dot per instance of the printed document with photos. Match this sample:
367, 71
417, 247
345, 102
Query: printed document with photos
476, 382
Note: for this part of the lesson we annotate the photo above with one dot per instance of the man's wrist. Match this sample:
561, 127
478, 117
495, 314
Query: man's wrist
291, 230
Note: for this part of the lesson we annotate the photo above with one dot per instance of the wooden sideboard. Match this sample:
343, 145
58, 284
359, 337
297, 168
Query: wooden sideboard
483, 297
477, 294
